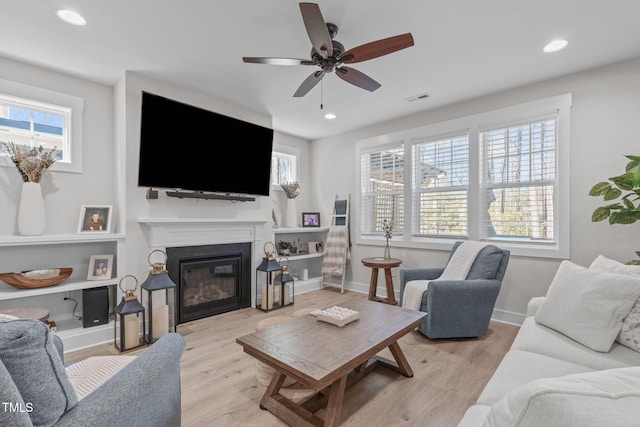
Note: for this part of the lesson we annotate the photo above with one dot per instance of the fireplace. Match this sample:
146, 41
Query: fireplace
210, 279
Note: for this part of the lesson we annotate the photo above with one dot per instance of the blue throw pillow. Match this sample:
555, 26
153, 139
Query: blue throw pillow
30, 356
14, 412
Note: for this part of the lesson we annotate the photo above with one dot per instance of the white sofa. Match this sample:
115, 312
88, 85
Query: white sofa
548, 379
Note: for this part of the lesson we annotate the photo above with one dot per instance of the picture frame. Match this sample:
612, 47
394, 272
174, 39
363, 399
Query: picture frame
95, 219
315, 247
100, 267
311, 219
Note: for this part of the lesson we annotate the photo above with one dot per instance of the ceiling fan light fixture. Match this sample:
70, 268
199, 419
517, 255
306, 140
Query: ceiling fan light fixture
555, 46
330, 116
71, 17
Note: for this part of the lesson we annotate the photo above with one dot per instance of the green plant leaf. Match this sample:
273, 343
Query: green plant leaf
612, 193
599, 189
633, 166
629, 204
623, 217
625, 182
638, 253
600, 214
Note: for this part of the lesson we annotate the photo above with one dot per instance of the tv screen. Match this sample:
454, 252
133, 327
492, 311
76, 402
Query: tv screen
184, 147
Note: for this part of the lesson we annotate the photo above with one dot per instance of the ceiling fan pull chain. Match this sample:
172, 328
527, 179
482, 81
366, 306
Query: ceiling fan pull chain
321, 93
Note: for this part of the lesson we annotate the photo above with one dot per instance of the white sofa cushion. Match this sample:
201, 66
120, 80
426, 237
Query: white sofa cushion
590, 399
630, 332
536, 338
587, 305
520, 367
474, 416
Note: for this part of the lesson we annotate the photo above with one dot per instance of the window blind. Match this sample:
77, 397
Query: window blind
382, 190
520, 171
441, 180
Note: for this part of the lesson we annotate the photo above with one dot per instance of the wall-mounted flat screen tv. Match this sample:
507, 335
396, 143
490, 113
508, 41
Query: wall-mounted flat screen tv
183, 147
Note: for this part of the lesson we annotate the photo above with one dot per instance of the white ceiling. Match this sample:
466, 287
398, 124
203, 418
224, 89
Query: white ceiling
463, 49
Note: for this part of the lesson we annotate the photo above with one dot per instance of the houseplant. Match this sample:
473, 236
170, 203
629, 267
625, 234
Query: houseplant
625, 189
31, 163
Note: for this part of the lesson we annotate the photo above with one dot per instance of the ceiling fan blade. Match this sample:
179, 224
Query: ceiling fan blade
309, 83
357, 78
276, 61
316, 28
377, 48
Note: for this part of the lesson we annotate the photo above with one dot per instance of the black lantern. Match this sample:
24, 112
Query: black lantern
265, 274
284, 281
160, 299
129, 332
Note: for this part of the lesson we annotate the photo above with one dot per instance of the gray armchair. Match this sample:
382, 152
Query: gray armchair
37, 391
460, 308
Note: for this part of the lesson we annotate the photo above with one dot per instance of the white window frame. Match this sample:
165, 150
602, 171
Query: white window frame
559, 105
293, 154
37, 98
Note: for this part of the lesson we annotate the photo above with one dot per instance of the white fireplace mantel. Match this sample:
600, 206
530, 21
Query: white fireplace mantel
175, 232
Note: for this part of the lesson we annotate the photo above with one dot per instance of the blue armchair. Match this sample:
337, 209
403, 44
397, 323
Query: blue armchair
460, 308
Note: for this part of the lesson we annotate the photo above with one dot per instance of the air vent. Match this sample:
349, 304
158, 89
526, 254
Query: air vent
417, 97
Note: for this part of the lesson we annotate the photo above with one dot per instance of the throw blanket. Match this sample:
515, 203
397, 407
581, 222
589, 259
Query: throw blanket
457, 269
336, 250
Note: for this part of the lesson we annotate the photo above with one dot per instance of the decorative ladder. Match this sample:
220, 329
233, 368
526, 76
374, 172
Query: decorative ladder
338, 246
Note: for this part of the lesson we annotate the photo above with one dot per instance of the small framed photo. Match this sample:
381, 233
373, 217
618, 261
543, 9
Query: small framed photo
311, 219
100, 267
315, 247
95, 219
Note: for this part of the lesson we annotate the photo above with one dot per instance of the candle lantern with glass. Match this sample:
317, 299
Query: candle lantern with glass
265, 275
284, 282
160, 299
129, 332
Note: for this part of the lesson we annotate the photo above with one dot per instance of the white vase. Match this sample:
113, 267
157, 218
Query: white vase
31, 214
291, 216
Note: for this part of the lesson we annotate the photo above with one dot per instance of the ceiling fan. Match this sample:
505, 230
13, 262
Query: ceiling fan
330, 55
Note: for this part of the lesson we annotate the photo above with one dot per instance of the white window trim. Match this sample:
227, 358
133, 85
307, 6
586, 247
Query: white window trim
290, 151
560, 105
76, 104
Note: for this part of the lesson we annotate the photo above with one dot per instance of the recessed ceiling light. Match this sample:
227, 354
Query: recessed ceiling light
555, 46
329, 116
71, 17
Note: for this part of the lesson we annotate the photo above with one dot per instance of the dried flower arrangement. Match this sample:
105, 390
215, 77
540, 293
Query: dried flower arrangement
387, 228
291, 189
31, 163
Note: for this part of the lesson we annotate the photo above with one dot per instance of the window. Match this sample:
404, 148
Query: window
382, 190
282, 168
500, 176
34, 117
520, 181
441, 170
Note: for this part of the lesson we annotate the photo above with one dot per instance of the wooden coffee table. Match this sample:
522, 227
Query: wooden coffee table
327, 358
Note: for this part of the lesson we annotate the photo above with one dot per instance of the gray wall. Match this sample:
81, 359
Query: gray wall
606, 108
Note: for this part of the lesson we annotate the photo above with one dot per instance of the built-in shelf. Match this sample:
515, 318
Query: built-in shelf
298, 230
59, 239
18, 253
312, 262
8, 292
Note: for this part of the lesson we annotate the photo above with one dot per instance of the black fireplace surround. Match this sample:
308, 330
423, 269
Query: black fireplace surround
210, 279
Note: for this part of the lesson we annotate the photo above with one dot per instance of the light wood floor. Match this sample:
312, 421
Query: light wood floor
219, 386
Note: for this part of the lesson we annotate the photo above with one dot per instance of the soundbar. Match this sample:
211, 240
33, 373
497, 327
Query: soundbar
210, 196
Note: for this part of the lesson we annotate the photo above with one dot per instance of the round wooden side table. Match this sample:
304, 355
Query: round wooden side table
376, 263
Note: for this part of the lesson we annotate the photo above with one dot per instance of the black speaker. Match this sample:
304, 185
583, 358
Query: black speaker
95, 306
